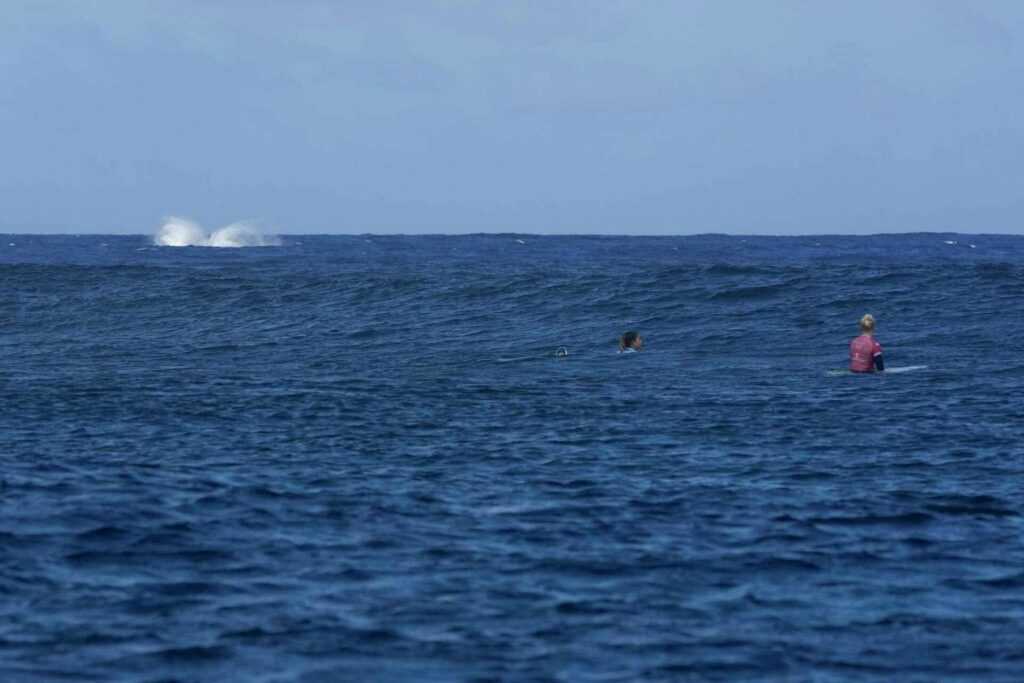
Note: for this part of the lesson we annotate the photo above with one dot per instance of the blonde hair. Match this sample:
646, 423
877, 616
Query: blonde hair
867, 323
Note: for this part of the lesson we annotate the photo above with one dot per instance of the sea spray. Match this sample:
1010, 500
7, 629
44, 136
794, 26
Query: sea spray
242, 235
182, 232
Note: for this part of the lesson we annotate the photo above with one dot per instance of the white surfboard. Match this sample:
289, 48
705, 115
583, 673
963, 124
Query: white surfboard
894, 370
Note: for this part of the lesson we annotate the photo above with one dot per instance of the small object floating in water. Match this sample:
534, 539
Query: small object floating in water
562, 352
521, 241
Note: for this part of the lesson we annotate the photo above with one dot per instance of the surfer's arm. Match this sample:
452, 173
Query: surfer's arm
879, 363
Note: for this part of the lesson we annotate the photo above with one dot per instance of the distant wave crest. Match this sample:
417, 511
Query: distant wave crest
182, 232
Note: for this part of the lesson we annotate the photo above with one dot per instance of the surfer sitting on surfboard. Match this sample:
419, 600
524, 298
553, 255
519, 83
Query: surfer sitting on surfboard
630, 342
865, 351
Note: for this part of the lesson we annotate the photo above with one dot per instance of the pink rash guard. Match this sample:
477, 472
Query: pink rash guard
863, 350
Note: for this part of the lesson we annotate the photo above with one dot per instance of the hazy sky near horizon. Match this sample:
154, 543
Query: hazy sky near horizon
578, 116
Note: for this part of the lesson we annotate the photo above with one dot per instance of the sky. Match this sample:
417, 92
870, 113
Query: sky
569, 116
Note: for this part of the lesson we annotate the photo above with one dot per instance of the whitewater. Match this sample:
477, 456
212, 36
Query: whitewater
182, 232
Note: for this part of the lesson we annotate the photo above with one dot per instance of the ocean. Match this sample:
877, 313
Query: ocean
363, 458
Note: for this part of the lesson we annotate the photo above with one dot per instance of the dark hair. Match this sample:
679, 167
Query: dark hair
628, 339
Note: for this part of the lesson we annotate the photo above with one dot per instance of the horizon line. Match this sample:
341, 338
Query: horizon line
536, 234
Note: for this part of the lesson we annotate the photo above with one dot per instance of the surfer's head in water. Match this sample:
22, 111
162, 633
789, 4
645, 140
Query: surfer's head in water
867, 324
630, 341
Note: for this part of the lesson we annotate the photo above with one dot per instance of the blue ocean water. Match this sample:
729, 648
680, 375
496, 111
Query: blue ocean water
359, 458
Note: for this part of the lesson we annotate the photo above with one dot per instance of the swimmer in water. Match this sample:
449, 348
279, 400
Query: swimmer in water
865, 351
630, 342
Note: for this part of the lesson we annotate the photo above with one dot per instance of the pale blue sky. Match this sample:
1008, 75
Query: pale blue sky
649, 117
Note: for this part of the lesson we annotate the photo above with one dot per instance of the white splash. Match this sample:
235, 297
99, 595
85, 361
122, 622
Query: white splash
181, 232
242, 235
